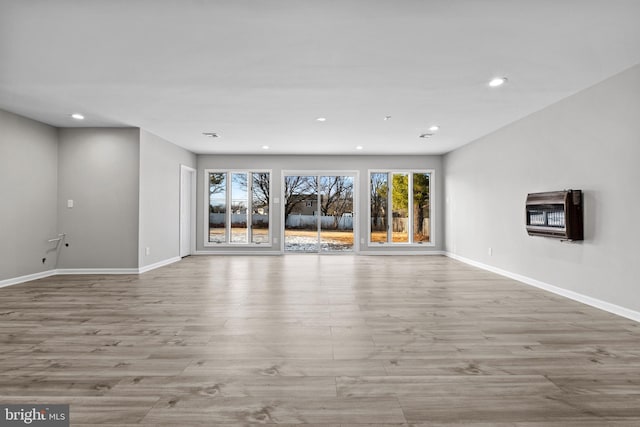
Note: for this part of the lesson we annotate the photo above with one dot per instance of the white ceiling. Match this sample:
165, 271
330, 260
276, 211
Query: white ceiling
259, 72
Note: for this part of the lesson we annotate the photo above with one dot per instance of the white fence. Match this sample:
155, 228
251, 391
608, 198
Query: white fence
327, 222
306, 221
401, 224
220, 218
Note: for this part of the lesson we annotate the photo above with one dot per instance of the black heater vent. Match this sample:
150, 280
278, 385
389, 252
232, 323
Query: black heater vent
555, 214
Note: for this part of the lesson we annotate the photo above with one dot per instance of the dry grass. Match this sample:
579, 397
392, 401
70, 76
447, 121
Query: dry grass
397, 237
344, 237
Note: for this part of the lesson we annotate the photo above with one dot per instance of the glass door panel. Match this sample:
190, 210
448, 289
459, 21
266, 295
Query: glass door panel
421, 208
260, 207
301, 213
379, 196
400, 208
239, 208
336, 209
217, 207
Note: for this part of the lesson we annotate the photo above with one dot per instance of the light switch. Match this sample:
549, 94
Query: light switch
69, 203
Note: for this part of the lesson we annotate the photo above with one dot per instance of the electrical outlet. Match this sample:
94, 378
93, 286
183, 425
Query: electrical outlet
44, 260
147, 251
490, 251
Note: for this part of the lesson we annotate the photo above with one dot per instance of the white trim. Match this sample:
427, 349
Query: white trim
432, 196
206, 243
211, 245
401, 253
27, 278
354, 173
97, 271
593, 302
89, 271
361, 253
398, 244
199, 253
193, 176
158, 264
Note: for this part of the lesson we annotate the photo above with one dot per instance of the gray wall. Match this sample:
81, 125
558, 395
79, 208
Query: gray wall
362, 164
28, 192
98, 169
589, 141
160, 163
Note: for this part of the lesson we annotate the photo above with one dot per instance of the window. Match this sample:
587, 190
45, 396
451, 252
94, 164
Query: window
400, 207
239, 207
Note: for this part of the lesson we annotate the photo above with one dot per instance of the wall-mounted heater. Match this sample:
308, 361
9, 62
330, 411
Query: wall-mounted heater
555, 214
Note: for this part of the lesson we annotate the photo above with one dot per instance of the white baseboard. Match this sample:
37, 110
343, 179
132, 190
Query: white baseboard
27, 278
401, 253
75, 271
96, 271
360, 253
237, 253
593, 302
158, 264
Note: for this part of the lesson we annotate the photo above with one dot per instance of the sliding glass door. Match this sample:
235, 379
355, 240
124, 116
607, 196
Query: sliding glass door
319, 213
301, 213
336, 213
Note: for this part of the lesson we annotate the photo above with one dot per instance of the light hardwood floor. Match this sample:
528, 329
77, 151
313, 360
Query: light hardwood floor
316, 340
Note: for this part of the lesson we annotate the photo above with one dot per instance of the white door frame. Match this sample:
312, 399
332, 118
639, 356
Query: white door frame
356, 205
188, 218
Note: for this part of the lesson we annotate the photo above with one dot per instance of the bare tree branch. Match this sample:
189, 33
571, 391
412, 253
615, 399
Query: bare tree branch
296, 190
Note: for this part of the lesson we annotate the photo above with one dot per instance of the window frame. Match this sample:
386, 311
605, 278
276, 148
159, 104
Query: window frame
228, 196
355, 173
409, 172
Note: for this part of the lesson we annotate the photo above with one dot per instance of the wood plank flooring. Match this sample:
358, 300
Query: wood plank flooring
316, 341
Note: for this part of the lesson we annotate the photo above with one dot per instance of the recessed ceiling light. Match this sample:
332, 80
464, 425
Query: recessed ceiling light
321, 119
498, 81
359, 147
211, 134
387, 118
265, 147
426, 135
434, 128
77, 116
